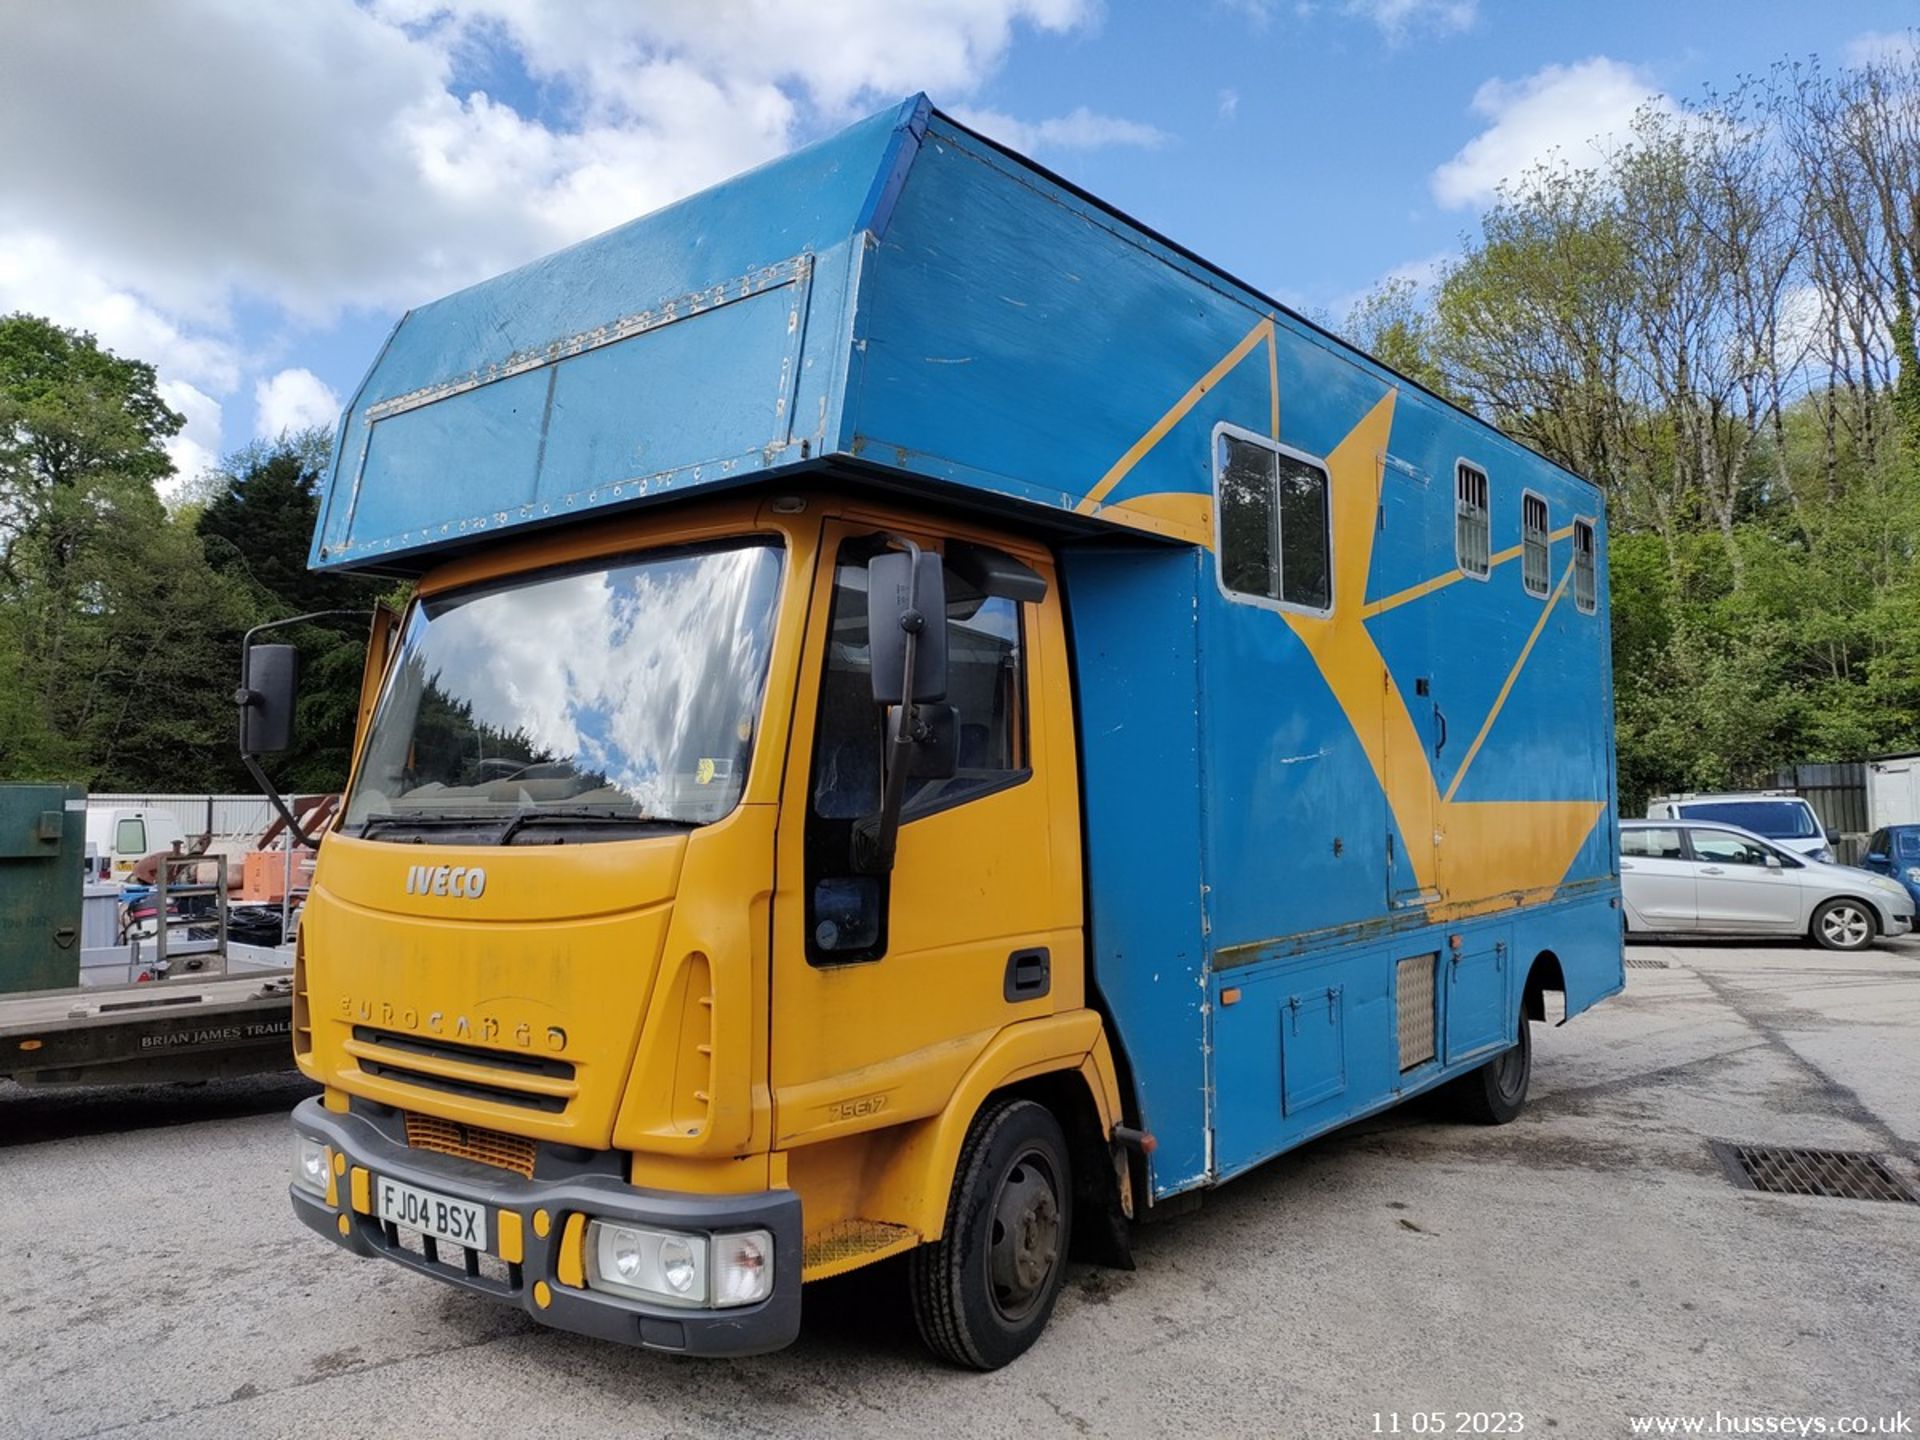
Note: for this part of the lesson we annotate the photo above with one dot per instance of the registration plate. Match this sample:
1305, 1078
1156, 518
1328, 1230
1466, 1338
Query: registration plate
441, 1216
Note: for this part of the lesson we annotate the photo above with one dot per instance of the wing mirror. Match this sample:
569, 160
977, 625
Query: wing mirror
907, 625
269, 690
1878, 857
1773, 862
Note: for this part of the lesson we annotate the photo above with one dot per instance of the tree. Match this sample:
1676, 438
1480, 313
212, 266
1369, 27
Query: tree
112, 618
256, 530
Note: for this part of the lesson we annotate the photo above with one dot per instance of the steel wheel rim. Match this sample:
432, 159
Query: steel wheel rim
1023, 1248
1846, 925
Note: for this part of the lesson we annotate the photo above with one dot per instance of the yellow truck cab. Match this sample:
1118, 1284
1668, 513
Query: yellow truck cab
907, 742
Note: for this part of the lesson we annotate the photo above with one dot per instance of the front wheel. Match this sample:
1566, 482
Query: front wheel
1497, 1091
983, 1292
1843, 924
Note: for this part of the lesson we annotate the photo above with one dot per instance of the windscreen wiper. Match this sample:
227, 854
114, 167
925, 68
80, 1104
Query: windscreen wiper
430, 820
529, 819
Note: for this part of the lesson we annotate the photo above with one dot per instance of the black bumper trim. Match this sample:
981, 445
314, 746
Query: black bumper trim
745, 1330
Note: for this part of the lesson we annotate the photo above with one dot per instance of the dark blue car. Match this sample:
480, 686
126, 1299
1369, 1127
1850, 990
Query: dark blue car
1895, 851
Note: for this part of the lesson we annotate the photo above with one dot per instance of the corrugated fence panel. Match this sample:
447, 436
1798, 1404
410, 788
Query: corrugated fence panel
232, 814
1838, 794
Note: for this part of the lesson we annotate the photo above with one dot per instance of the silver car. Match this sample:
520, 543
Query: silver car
1689, 877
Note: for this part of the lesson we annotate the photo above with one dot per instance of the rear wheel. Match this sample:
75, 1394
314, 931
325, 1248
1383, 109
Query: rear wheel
1497, 1091
983, 1292
1844, 924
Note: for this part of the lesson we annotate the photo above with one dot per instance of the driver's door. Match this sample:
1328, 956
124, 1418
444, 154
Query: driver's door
886, 988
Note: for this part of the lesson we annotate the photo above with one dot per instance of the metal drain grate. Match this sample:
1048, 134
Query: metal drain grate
1831, 1174
1635, 964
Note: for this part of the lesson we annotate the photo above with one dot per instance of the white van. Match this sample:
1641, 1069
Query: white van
1779, 815
125, 835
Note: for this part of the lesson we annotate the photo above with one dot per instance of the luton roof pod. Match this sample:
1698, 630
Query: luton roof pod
906, 296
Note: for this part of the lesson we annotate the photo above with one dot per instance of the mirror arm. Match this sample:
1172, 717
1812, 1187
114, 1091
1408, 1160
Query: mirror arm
272, 792
244, 697
874, 838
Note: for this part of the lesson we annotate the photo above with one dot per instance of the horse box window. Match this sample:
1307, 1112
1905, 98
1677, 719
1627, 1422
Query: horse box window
1275, 538
1472, 550
1535, 567
1586, 585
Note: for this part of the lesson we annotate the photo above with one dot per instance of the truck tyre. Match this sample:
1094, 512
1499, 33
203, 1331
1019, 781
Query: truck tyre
1844, 924
983, 1292
1497, 1091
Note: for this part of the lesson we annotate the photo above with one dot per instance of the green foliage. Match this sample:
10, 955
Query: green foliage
120, 622
255, 531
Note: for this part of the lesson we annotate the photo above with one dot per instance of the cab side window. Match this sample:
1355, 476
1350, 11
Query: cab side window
986, 685
1722, 847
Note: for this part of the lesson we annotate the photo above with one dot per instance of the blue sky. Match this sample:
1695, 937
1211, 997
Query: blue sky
251, 194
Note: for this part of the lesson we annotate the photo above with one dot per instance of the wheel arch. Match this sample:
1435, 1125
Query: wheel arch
1061, 1062
1543, 974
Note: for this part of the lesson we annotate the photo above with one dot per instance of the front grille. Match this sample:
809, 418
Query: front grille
469, 1142
527, 1082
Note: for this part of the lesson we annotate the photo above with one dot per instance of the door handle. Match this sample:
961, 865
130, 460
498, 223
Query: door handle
1711, 870
1625, 866
1440, 719
1029, 975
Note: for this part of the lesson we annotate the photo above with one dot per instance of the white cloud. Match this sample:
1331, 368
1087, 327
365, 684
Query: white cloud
1397, 18
1079, 129
294, 399
196, 449
1229, 104
42, 276
294, 162
1884, 47
1564, 112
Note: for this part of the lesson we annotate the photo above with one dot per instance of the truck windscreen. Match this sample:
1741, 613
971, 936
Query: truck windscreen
575, 704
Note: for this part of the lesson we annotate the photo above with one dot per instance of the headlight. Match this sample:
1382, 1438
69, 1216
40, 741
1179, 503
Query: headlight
1913, 874
648, 1264
310, 1164
1890, 886
677, 1269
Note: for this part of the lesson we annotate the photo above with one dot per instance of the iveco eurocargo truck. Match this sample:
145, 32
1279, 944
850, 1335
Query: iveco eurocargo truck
932, 722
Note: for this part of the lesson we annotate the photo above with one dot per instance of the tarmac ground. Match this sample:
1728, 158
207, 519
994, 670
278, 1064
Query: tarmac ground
1586, 1266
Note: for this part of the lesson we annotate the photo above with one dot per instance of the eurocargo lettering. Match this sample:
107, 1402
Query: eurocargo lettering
969, 722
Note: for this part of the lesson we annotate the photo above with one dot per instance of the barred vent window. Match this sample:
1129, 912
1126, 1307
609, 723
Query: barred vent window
1586, 589
1535, 566
1470, 532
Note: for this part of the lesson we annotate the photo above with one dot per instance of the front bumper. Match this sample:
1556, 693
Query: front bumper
535, 1282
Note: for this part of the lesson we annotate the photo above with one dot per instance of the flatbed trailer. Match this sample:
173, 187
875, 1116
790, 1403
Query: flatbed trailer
174, 1030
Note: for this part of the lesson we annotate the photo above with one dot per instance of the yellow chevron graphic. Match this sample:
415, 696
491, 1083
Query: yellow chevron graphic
1472, 856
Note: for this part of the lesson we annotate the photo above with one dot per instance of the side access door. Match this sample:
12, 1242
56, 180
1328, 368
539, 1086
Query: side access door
886, 988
